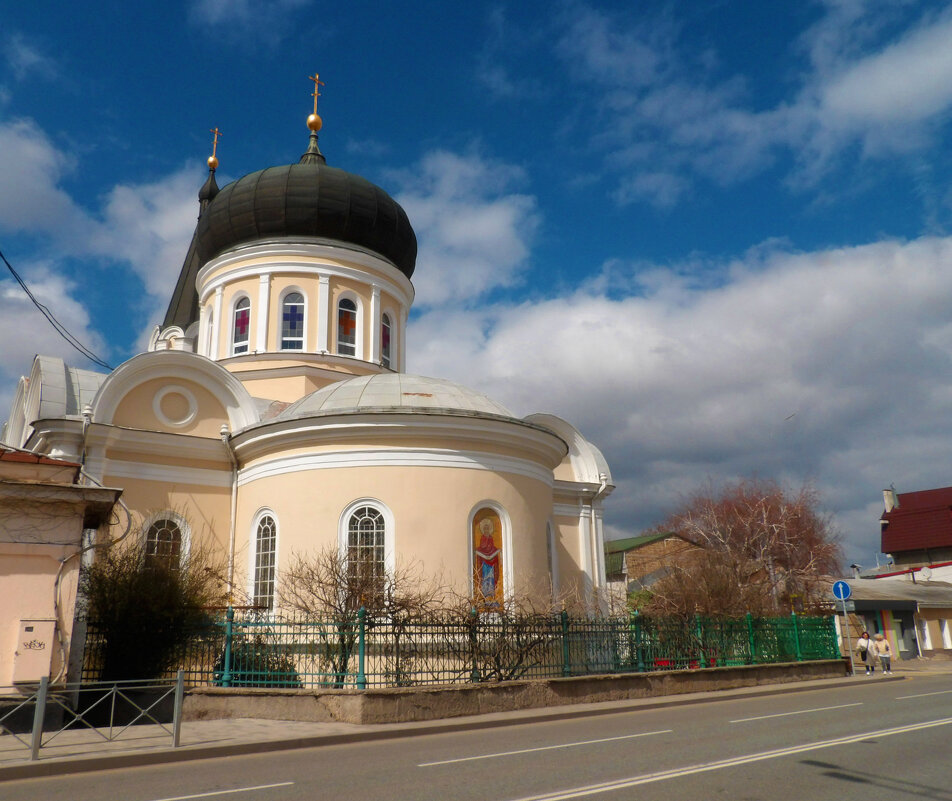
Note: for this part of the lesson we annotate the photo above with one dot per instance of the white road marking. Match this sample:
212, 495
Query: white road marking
798, 712
542, 748
226, 792
922, 695
648, 778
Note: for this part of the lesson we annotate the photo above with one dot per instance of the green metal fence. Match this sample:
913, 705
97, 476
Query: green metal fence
254, 651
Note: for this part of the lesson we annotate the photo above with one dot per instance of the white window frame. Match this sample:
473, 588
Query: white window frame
507, 568
359, 333
183, 527
253, 554
238, 298
343, 531
280, 321
388, 315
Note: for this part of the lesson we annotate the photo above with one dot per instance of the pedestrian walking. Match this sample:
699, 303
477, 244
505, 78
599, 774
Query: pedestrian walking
864, 648
883, 652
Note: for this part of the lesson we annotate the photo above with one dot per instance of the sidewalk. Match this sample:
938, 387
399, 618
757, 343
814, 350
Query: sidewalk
87, 750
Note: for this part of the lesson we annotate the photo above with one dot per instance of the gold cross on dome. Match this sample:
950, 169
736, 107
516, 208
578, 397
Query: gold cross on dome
318, 83
216, 133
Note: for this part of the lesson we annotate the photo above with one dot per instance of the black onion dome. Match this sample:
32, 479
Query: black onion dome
307, 199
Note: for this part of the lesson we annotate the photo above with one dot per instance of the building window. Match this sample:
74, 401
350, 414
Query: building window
163, 543
385, 340
488, 590
241, 327
292, 322
366, 539
266, 541
347, 327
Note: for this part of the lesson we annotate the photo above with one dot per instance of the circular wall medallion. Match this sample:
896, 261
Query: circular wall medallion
175, 406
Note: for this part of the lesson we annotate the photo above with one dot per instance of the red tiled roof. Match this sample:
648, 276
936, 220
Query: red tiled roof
29, 457
921, 520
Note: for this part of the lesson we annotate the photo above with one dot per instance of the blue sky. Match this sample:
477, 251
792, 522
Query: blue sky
713, 235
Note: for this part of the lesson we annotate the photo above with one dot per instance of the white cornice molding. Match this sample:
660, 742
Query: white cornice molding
266, 438
161, 444
232, 265
303, 367
173, 475
567, 510
386, 457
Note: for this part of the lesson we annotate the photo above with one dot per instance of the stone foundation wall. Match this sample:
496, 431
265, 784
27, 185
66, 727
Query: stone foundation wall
404, 704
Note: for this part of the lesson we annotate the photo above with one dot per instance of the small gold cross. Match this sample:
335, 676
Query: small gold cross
317, 88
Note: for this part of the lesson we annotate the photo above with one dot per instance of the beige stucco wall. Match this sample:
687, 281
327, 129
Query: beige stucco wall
27, 581
431, 510
207, 509
135, 410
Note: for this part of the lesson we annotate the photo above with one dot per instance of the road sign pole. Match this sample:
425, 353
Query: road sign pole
849, 642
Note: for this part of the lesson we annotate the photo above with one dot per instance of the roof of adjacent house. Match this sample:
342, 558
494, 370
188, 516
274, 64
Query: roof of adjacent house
887, 591
615, 550
8, 454
921, 520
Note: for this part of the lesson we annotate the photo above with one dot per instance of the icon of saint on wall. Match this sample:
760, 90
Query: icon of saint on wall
487, 559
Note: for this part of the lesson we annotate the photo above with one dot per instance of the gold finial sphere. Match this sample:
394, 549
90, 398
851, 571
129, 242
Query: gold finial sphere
212, 163
314, 122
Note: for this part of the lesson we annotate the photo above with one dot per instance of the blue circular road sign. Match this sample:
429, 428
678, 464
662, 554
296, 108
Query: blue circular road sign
841, 590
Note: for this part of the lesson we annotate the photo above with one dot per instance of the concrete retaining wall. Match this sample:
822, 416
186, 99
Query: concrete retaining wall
403, 704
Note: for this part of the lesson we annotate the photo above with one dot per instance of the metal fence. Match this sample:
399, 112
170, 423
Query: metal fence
108, 709
252, 651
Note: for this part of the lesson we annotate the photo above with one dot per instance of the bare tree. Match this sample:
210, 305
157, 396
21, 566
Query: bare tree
328, 586
765, 551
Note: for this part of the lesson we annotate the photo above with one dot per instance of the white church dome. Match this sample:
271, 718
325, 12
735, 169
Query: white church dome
395, 392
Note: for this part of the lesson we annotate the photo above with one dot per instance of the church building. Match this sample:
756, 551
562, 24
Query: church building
272, 414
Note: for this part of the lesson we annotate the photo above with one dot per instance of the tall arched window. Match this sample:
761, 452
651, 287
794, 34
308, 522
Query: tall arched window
292, 322
266, 542
385, 340
241, 328
163, 542
347, 327
366, 542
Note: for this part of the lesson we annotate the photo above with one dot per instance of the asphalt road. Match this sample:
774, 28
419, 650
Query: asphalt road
880, 740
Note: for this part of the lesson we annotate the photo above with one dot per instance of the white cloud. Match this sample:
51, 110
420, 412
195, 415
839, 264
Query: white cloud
666, 117
832, 365
260, 20
31, 168
474, 233
25, 333
26, 58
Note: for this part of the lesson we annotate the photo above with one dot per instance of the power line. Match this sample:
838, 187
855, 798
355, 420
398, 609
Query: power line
57, 325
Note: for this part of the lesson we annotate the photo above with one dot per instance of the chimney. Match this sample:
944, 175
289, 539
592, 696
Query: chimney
890, 501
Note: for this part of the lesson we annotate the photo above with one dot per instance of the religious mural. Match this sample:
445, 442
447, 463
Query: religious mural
487, 559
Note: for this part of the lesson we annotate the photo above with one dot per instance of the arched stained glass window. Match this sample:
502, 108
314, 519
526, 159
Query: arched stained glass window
347, 327
385, 340
487, 559
241, 327
266, 541
163, 543
292, 322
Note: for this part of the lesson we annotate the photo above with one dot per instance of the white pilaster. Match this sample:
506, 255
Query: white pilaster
264, 312
219, 324
202, 346
375, 324
401, 359
324, 316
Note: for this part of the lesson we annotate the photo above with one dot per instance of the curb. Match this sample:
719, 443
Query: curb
68, 765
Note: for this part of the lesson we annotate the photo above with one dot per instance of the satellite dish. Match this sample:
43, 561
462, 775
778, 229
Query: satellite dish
925, 573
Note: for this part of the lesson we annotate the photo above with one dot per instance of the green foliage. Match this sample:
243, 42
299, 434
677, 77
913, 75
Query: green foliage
145, 610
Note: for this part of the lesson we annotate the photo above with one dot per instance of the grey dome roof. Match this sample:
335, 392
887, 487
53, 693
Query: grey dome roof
307, 199
395, 392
